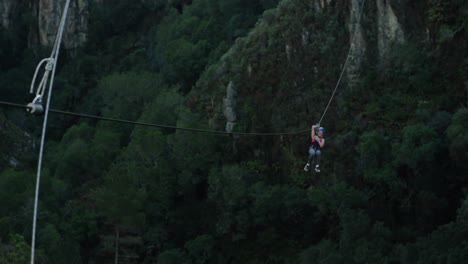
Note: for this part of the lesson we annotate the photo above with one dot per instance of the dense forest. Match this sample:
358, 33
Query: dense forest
394, 181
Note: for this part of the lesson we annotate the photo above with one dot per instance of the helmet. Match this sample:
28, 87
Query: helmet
322, 129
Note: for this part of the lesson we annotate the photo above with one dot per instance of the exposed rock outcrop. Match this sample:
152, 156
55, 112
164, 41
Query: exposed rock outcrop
228, 107
358, 44
306, 51
6, 10
49, 15
389, 29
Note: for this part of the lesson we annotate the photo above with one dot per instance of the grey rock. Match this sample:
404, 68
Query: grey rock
49, 15
389, 29
229, 104
6, 10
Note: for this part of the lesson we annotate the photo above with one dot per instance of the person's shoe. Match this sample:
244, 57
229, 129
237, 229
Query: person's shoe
317, 168
306, 167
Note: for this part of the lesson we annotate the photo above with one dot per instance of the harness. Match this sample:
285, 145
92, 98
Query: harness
315, 144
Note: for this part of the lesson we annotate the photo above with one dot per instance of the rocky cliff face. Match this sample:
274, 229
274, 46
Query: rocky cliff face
46, 16
302, 42
390, 30
49, 13
7, 7
358, 45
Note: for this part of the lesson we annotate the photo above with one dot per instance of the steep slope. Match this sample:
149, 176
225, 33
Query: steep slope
386, 130
43, 17
393, 185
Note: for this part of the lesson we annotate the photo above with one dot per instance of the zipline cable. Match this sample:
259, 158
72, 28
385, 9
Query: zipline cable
116, 120
347, 60
51, 66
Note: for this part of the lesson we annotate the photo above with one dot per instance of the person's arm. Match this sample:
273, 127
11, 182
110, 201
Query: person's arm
312, 133
322, 142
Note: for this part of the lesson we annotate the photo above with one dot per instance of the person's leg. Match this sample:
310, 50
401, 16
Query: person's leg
318, 153
311, 155
309, 160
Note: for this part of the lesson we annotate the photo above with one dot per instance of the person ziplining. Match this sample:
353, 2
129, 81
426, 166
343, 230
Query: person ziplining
317, 140
317, 144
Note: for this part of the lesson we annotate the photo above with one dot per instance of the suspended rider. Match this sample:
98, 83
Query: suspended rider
315, 148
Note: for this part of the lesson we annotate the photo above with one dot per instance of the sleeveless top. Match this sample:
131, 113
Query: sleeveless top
315, 143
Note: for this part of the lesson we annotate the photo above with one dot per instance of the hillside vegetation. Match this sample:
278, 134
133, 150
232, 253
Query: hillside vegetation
393, 186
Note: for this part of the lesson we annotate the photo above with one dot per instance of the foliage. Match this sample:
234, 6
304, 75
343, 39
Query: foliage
393, 183
458, 136
15, 252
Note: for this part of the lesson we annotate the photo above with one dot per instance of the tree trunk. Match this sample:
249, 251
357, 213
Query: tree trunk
117, 245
